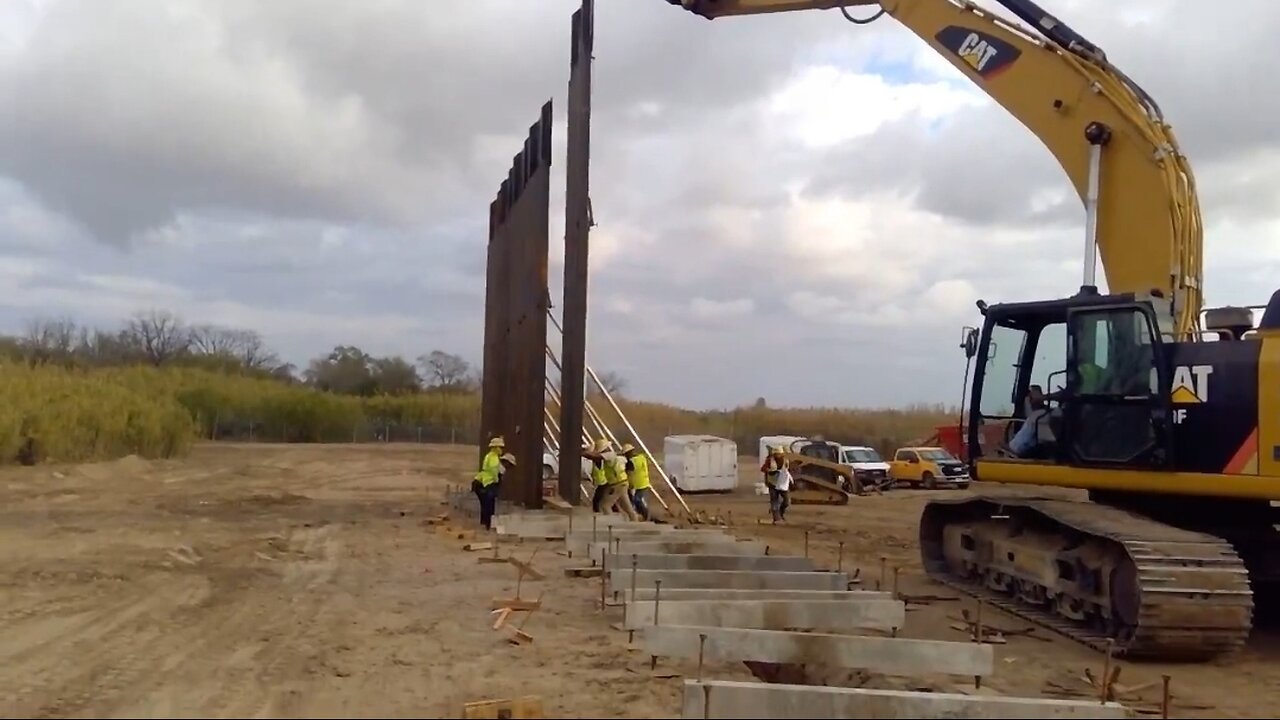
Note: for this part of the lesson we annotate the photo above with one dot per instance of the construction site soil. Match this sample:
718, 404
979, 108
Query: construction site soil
303, 581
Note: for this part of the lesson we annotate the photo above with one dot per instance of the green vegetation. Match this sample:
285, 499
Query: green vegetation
72, 394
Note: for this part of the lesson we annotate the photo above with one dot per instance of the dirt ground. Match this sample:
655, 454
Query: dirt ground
302, 581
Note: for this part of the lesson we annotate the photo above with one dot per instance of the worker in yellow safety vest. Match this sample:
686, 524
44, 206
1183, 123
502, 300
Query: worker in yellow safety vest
487, 481
615, 491
599, 479
638, 476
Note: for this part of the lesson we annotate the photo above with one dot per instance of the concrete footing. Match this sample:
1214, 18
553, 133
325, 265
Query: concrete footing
746, 580
683, 594
725, 699
713, 545
884, 655
776, 563
622, 543
822, 615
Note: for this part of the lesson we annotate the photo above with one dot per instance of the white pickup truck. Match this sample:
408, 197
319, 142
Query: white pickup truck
870, 469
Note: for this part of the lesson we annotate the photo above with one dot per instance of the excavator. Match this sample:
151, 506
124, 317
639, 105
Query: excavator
1148, 530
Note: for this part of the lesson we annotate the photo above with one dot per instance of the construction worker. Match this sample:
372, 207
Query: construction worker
615, 492
638, 477
598, 477
772, 467
488, 479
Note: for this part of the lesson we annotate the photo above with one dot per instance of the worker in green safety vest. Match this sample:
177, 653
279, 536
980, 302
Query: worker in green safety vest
616, 493
638, 476
489, 478
599, 480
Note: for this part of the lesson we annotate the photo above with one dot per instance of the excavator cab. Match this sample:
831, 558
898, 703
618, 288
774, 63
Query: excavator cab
1087, 372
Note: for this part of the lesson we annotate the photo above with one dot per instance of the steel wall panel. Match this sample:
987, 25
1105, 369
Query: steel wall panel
573, 351
516, 305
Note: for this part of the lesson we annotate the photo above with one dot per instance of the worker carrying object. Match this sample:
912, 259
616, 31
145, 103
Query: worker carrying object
615, 491
773, 468
595, 454
638, 477
489, 479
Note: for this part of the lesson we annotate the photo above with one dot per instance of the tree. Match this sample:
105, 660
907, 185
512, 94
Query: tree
613, 382
245, 347
49, 339
159, 334
395, 376
345, 370
445, 371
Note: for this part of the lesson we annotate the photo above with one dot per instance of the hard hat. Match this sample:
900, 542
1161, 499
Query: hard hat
627, 448
496, 442
777, 449
509, 459
602, 445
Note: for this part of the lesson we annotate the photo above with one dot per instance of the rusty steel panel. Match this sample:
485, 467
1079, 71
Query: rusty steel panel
516, 304
577, 223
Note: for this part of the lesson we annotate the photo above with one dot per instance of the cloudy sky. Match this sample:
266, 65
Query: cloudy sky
792, 207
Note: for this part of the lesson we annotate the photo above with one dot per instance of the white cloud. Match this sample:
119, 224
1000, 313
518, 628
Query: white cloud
325, 178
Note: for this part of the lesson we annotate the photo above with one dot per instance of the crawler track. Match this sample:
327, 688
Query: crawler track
1191, 590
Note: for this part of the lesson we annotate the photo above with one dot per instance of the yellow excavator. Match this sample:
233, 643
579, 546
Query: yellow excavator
1167, 414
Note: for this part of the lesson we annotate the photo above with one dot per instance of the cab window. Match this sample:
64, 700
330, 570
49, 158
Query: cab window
905, 455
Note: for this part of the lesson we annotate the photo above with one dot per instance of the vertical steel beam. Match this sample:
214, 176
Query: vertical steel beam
516, 313
573, 351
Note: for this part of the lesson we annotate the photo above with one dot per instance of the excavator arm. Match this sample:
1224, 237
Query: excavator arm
1142, 213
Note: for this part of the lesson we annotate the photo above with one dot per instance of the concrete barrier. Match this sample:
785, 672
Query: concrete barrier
822, 615
683, 594
884, 655
728, 699
742, 579
663, 561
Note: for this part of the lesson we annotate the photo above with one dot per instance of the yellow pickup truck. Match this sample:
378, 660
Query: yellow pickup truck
931, 467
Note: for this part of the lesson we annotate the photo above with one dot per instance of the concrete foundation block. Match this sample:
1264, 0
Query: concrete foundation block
713, 545
727, 699
682, 594
823, 615
891, 656
742, 579
582, 543
664, 561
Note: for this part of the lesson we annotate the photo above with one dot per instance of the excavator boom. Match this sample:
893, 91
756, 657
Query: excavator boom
1142, 213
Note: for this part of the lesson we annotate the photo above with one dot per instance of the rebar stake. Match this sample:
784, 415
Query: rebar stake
883, 573
1164, 699
631, 634
977, 637
657, 596
840, 557
617, 545
896, 596
603, 572
806, 543
702, 646
1106, 673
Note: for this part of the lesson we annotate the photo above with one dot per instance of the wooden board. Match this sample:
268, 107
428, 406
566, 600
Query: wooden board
529, 706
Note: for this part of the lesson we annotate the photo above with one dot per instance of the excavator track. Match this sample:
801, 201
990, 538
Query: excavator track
1175, 595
